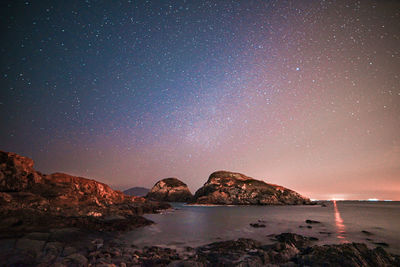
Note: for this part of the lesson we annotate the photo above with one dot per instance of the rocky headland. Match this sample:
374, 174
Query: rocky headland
230, 188
31, 201
170, 190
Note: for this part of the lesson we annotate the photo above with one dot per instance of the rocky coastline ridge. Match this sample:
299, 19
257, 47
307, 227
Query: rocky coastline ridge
230, 188
31, 201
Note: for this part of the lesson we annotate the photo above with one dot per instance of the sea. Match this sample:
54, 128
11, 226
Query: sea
375, 223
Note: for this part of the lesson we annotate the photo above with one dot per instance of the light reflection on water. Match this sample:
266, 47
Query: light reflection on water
341, 229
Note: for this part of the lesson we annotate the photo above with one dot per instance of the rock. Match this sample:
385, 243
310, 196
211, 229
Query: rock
325, 233
257, 225
30, 245
38, 236
366, 232
298, 241
16, 172
170, 190
382, 244
225, 187
76, 259
312, 222
68, 250
136, 191
351, 254
187, 263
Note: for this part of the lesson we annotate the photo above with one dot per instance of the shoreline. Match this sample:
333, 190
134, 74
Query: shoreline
76, 247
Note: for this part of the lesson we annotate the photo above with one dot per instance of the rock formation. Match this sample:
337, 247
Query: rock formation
170, 190
31, 201
225, 187
137, 191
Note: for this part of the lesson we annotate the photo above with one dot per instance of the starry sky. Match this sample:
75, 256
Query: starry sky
305, 94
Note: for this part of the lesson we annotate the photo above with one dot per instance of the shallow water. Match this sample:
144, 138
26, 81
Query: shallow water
341, 221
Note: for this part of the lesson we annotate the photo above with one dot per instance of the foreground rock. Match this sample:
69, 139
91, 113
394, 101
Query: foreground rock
137, 191
60, 248
31, 201
170, 190
232, 188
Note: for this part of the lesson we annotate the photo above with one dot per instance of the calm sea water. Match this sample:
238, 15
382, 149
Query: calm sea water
341, 221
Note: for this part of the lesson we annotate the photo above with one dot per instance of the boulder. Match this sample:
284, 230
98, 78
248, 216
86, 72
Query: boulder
225, 187
170, 190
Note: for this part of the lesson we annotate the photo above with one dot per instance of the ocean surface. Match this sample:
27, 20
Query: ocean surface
341, 221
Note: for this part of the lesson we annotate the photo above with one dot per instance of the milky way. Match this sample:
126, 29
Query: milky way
304, 94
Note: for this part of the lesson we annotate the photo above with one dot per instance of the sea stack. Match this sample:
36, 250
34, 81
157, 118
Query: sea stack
170, 190
230, 188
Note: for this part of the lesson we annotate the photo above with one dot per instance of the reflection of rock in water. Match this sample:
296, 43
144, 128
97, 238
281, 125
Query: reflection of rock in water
339, 224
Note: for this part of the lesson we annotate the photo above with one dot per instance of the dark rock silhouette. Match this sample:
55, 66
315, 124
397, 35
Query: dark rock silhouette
225, 187
136, 191
170, 190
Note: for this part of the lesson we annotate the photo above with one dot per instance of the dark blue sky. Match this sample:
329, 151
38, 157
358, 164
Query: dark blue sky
301, 94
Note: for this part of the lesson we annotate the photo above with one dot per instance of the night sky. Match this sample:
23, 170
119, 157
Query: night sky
305, 94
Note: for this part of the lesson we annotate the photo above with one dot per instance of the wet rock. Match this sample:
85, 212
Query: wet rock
366, 232
225, 187
382, 244
257, 225
312, 222
325, 233
170, 190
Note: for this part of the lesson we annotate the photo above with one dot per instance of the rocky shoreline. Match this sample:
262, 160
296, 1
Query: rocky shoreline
74, 247
63, 220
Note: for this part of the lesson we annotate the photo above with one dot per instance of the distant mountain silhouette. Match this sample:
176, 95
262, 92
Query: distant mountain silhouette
137, 191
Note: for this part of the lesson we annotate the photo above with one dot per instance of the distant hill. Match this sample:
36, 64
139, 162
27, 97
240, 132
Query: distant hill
137, 191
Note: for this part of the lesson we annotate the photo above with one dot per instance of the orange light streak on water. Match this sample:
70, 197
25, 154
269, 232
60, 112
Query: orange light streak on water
341, 229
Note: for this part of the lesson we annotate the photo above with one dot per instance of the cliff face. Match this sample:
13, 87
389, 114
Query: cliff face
33, 201
170, 190
225, 187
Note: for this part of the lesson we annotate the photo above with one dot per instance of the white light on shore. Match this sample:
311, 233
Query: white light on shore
373, 199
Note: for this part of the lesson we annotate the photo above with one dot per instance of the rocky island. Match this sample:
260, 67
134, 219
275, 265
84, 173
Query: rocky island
230, 188
170, 190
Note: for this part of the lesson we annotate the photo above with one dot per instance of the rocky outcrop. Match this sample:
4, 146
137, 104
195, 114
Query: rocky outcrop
136, 191
225, 187
170, 190
31, 201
